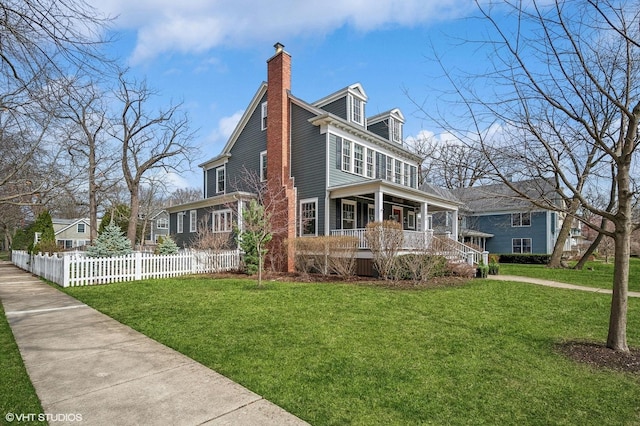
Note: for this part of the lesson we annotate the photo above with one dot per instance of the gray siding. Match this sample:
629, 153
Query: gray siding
245, 153
380, 128
500, 227
338, 107
308, 154
186, 238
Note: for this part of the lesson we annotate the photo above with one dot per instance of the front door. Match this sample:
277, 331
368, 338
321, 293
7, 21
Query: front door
396, 213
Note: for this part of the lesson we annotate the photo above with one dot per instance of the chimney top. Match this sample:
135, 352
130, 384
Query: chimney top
279, 47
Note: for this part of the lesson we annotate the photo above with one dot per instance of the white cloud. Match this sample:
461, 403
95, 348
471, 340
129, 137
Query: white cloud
192, 26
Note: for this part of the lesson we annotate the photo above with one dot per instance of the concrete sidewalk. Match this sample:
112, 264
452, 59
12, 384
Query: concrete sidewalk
83, 363
557, 284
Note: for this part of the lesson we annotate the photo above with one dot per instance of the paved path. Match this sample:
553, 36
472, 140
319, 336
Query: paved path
83, 362
556, 284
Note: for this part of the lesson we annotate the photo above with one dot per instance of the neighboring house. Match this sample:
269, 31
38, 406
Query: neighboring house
340, 169
496, 219
158, 226
72, 233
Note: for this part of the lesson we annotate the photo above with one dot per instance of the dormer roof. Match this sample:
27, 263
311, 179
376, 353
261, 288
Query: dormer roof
355, 89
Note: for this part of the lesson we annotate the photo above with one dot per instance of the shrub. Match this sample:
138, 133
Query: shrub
384, 240
482, 270
494, 268
531, 259
419, 267
167, 246
110, 242
326, 255
461, 269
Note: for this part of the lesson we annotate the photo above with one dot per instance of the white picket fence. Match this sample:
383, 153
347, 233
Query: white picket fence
76, 269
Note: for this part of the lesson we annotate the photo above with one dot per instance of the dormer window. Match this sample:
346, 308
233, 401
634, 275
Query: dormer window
357, 110
396, 130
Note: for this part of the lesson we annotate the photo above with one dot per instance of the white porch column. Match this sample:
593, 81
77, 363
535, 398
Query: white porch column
240, 209
424, 212
454, 225
379, 205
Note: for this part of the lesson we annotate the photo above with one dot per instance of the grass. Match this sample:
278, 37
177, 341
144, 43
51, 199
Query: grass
17, 395
337, 354
595, 274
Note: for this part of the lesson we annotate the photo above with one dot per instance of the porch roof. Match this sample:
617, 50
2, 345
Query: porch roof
211, 201
434, 201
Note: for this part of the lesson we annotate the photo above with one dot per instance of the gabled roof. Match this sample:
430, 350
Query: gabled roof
64, 224
239, 127
499, 197
395, 113
355, 89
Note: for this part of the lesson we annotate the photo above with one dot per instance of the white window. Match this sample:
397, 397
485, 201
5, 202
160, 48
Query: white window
193, 221
309, 217
407, 175
389, 169
264, 116
398, 171
263, 165
162, 223
396, 130
221, 221
348, 214
346, 155
180, 222
411, 219
81, 228
220, 179
520, 219
413, 179
358, 159
357, 110
371, 213
521, 245
370, 162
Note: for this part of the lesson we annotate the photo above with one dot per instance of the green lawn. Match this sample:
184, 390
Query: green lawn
17, 395
595, 274
337, 354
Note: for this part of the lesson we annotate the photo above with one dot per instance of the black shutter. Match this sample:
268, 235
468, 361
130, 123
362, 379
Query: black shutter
338, 152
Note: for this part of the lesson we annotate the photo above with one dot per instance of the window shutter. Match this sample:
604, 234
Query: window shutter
381, 164
338, 152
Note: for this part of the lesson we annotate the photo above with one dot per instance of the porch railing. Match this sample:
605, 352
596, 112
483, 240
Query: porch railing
418, 240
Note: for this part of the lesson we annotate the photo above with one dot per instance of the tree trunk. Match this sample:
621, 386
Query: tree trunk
585, 256
617, 337
133, 218
556, 257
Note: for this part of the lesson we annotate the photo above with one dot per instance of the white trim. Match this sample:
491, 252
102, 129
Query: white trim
180, 222
222, 220
193, 220
263, 116
411, 217
522, 245
316, 219
263, 157
222, 168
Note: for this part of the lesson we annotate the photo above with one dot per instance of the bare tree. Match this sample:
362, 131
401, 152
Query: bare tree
565, 79
184, 196
149, 141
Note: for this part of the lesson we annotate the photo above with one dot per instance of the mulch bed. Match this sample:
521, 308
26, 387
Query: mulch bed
599, 356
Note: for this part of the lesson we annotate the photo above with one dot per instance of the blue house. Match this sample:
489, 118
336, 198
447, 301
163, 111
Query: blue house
338, 168
497, 219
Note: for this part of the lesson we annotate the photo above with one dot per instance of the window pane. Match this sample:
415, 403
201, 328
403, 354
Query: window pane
346, 155
370, 166
308, 217
358, 159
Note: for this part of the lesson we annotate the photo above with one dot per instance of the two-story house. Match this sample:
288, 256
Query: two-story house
499, 220
340, 169
71, 233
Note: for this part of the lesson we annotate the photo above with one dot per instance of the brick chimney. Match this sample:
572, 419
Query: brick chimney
279, 178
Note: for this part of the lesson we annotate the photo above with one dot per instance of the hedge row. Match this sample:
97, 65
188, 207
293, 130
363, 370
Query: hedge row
529, 259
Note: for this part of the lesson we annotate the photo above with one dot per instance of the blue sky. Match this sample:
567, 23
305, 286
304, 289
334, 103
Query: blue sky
212, 54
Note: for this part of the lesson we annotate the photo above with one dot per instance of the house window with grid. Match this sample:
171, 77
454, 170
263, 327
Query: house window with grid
521, 245
81, 228
346, 155
396, 130
193, 221
221, 221
348, 214
220, 179
370, 162
389, 169
407, 175
520, 219
357, 110
180, 218
162, 223
358, 159
264, 116
263, 165
309, 217
398, 171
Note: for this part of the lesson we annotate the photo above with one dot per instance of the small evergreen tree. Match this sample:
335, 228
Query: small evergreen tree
43, 226
110, 242
167, 246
